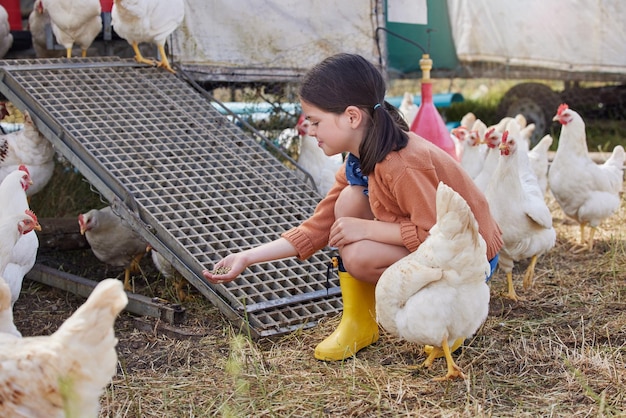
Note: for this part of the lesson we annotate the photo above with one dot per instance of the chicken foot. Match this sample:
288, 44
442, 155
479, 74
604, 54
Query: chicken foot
434, 353
453, 369
140, 58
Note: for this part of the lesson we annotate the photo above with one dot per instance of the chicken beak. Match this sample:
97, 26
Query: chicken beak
37, 227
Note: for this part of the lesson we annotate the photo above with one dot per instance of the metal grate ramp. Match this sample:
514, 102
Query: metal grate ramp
191, 182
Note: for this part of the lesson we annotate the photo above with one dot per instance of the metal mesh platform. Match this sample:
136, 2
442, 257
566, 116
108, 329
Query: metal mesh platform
191, 182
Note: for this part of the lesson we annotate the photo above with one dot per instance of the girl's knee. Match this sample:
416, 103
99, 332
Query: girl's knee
353, 202
354, 262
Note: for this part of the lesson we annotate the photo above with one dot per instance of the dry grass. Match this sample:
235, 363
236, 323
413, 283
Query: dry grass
559, 352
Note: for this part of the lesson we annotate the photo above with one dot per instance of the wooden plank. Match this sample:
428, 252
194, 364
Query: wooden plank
137, 304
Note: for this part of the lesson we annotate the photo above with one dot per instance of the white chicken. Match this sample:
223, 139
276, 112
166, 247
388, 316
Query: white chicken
74, 22
517, 204
12, 229
30, 148
474, 149
438, 293
112, 240
587, 192
64, 374
408, 108
38, 22
539, 161
22, 258
6, 37
150, 21
315, 162
467, 121
492, 139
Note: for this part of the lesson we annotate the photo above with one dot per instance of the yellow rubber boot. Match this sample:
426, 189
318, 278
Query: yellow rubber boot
357, 328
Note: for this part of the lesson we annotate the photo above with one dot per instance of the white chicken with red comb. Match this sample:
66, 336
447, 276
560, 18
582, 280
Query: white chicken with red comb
12, 228
517, 204
587, 192
21, 260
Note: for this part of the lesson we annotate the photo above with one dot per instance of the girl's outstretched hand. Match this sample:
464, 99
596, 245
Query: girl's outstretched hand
226, 270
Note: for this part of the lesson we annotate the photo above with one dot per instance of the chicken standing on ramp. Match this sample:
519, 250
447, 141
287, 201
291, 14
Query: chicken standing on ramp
150, 21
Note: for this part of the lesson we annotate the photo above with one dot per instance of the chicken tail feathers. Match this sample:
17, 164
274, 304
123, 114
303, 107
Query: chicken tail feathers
451, 204
617, 158
91, 322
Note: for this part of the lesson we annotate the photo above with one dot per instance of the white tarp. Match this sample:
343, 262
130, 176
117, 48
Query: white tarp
268, 34
568, 35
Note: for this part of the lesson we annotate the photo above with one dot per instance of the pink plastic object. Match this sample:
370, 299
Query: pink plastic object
15, 15
106, 5
428, 123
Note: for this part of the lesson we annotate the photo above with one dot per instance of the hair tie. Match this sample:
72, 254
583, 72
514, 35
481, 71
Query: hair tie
377, 105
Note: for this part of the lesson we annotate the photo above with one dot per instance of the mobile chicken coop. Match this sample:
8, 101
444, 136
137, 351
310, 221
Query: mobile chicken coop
197, 186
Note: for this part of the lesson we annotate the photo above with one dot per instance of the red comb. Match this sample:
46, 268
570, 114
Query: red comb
562, 108
489, 132
23, 168
31, 214
505, 135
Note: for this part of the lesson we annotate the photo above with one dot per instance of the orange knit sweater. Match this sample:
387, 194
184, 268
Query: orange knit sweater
402, 189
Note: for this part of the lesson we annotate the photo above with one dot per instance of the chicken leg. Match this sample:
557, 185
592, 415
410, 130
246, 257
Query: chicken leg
585, 244
133, 267
453, 369
530, 273
429, 348
164, 63
511, 292
179, 286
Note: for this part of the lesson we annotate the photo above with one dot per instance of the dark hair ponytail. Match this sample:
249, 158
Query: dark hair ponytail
344, 80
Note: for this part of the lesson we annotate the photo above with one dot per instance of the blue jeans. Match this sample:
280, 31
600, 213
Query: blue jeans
494, 264
353, 173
